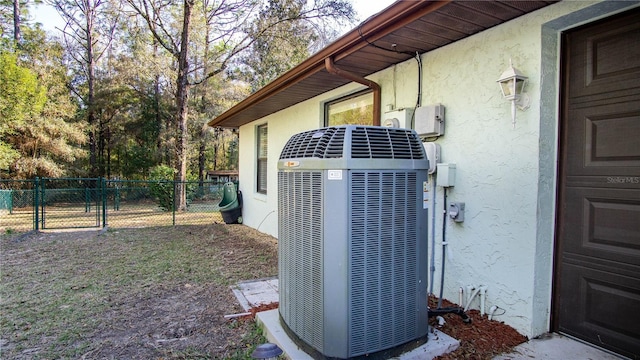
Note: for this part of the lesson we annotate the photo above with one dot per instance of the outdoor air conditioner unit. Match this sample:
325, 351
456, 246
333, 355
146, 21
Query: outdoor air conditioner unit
352, 240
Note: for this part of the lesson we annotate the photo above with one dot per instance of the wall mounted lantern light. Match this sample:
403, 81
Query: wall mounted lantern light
512, 83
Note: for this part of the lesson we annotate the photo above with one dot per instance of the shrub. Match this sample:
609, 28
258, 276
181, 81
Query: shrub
162, 188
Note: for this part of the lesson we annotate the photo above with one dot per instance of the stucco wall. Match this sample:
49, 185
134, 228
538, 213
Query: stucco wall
259, 210
497, 170
503, 174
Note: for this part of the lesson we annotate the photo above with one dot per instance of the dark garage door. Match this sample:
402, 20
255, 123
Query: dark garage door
597, 282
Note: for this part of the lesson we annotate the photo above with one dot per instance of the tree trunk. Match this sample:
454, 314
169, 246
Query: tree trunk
216, 136
16, 21
182, 94
108, 152
203, 102
162, 153
91, 72
101, 147
202, 158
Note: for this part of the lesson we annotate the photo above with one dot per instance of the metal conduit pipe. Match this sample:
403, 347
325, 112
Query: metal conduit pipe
377, 91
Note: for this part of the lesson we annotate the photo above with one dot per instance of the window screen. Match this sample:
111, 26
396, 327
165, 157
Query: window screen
262, 143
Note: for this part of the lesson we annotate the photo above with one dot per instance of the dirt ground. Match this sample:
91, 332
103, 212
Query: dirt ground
133, 317
155, 293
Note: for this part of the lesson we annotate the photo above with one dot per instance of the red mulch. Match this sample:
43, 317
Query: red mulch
257, 309
482, 339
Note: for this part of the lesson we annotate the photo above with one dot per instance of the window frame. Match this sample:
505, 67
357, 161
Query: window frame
343, 99
262, 159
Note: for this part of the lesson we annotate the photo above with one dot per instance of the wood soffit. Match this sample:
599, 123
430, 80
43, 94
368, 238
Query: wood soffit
406, 26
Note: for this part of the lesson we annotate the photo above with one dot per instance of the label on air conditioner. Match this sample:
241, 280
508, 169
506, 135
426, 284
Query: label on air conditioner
425, 195
334, 175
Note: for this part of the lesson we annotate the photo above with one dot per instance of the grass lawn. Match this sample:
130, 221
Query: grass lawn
147, 293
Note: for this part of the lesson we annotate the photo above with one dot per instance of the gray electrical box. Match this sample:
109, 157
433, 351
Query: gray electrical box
429, 120
401, 118
446, 175
456, 211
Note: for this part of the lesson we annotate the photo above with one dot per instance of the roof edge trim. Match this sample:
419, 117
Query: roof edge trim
372, 29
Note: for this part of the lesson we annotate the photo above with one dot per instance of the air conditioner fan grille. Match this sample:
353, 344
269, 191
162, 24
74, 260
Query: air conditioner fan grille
385, 143
366, 142
322, 143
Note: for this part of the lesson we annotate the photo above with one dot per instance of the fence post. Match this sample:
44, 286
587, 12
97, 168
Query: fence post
10, 204
175, 184
36, 206
103, 190
87, 200
42, 200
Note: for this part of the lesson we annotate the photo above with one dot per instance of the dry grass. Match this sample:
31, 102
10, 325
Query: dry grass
157, 292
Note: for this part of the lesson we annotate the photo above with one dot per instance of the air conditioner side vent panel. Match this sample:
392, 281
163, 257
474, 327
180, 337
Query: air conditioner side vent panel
383, 258
300, 253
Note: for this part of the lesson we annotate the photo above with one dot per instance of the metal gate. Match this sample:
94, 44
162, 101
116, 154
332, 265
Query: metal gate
70, 203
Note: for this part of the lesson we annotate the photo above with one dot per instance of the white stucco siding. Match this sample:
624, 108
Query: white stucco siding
259, 210
497, 169
505, 243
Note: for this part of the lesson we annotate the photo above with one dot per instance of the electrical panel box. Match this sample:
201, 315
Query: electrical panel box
456, 211
433, 154
429, 120
401, 118
446, 175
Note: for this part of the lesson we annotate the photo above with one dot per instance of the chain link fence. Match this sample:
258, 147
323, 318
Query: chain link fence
17, 211
48, 203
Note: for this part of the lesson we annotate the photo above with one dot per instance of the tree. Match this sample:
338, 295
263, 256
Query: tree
162, 188
221, 97
230, 38
16, 21
21, 98
134, 103
10, 19
35, 111
294, 33
143, 87
88, 33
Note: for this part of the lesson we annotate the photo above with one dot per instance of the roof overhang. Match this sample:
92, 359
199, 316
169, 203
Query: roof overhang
392, 36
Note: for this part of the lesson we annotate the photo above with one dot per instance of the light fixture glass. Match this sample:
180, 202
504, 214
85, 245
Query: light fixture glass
512, 83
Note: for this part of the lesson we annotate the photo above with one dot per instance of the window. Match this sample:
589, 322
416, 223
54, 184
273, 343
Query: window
261, 140
356, 109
